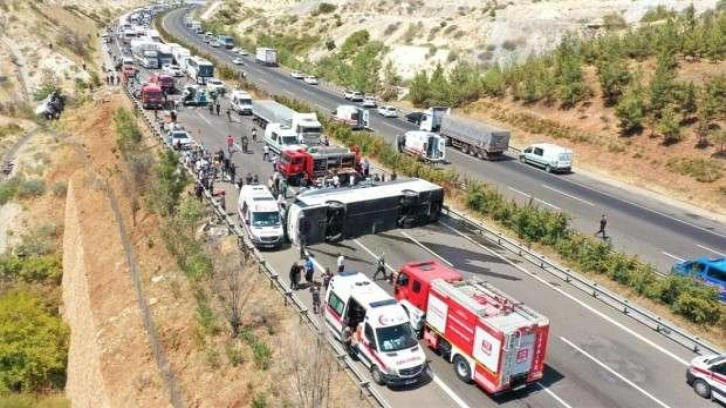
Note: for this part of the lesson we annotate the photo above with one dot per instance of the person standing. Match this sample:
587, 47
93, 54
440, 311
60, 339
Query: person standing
603, 224
309, 270
348, 338
230, 144
327, 276
341, 262
229, 114
294, 276
254, 134
218, 107
265, 151
303, 230
315, 292
380, 267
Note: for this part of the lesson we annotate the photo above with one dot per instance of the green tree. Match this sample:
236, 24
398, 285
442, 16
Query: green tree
354, 41
169, 184
669, 127
465, 84
365, 67
440, 89
33, 345
614, 78
661, 86
687, 99
493, 82
719, 139
631, 111
571, 85
419, 90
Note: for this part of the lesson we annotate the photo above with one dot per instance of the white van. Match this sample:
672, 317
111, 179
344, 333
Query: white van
242, 102
260, 217
279, 137
551, 157
383, 339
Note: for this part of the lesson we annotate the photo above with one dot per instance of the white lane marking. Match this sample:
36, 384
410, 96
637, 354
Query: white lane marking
204, 119
711, 250
535, 198
460, 402
615, 373
371, 253
677, 258
568, 195
574, 299
553, 395
415, 241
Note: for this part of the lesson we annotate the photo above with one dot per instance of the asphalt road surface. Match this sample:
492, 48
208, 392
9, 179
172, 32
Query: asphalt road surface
596, 357
640, 225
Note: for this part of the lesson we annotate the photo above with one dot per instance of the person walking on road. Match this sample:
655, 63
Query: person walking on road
211, 108
380, 267
254, 134
315, 292
218, 108
265, 152
341, 262
603, 224
327, 276
229, 114
309, 270
230, 144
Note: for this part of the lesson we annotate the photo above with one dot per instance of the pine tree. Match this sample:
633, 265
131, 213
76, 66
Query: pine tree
419, 90
661, 85
631, 111
669, 127
614, 79
439, 87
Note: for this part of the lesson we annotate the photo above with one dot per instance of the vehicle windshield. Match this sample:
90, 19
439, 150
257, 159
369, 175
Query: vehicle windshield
153, 94
179, 135
565, 156
266, 219
394, 338
288, 140
206, 71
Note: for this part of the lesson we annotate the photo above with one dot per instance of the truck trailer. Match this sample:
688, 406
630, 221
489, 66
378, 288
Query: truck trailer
341, 213
266, 56
492, 339
306, 126
269, 111
474, 138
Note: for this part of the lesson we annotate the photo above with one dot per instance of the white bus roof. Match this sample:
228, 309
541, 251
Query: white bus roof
364, 193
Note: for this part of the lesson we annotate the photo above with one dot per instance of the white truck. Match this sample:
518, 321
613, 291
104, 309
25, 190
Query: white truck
351, 115
427, 146
474, 138
382, 337
306, 126
260, 217
280, 137
431, 120
266, 56
241, 102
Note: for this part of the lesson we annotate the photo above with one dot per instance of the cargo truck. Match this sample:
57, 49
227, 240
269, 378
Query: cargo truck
474, 138
304, 166
305, 125
266, 56
492, 339
431, 119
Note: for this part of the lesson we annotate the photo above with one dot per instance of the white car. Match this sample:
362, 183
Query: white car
297, 75
354, 96
173, 70
388, 111
216, 44
242, 52
238, 61
551, 157
369, 102
215, 85
311, 80
179, 138
707, 376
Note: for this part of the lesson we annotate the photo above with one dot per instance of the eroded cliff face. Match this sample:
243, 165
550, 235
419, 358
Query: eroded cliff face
109, 362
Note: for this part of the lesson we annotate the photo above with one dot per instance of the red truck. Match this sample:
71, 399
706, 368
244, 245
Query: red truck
492, 339
151, 96
165, 82
298, 165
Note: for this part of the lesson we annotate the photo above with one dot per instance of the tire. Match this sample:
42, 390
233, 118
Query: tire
548, 169
523, 159
462, 369
377, 376
702, 389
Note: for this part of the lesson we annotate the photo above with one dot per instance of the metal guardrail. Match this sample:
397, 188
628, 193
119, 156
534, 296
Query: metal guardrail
289, 296
655, 322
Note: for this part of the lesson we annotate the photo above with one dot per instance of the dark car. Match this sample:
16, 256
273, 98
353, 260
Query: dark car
415, 117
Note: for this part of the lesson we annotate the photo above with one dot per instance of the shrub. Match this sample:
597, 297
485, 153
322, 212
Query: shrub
46, 268
33, 349
31, 188
262, 355
703, 170
8, 190
325, 8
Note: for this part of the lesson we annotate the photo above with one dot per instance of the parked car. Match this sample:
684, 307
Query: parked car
369, 102
297, 75
415, 117
215, 85
173, 70
181, 138
311, 80
388, 111
707, 376
550, 157
243, 52
711, 271
216, 44
354, 96
238, 61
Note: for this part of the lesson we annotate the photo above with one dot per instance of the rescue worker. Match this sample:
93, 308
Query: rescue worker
309, 270
347, 338
380, 267
341, 262
265, 151
315, 292
294, 276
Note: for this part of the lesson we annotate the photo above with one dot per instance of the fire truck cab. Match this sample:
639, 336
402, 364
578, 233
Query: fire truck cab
300, 165
491, 338
382, 336
165, 82
151, 96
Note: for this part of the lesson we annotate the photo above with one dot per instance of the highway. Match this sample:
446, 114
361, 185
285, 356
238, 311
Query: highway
641, 225
597, 357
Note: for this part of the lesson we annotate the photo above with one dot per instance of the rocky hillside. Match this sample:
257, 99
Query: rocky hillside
420, 33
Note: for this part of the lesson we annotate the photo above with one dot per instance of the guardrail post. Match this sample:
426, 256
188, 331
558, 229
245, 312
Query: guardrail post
594, 290
303, 312
273, 278
364, 385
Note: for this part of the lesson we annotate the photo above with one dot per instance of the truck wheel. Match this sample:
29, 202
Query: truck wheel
522, 159
377, 376
548, 168
480, 154
702, 389
462, 369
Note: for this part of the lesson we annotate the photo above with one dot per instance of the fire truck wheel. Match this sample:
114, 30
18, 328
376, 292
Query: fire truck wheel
462, 369
702, 389
377, 376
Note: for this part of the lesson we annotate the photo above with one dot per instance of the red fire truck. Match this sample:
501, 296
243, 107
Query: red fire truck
165, 82
151, 96
299, 164
491, 338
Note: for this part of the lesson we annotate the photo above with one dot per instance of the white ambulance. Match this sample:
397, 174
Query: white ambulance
260, 217
383, 339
